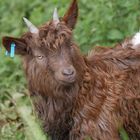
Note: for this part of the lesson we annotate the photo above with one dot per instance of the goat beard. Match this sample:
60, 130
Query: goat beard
48, 86
54, 104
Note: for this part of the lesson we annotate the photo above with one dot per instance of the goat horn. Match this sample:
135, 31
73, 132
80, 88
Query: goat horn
30, 26
55, 17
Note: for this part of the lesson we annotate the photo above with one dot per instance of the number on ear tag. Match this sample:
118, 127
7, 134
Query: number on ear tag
7, 53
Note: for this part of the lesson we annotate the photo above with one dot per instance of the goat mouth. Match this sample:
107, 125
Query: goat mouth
67, 81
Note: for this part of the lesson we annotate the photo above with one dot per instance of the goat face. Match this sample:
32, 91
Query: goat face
54, 52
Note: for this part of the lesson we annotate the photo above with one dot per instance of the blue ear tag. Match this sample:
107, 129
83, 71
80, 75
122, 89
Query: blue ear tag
12, 51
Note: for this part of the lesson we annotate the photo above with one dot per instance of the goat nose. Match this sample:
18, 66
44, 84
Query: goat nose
68, 71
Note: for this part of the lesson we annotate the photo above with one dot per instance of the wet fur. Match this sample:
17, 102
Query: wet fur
105, 95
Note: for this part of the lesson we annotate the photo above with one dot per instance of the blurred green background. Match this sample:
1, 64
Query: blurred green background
101, 22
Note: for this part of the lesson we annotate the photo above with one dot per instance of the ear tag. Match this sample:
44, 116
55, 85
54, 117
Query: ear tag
12, 51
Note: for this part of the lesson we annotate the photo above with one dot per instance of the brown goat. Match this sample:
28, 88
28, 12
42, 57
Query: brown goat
77, 96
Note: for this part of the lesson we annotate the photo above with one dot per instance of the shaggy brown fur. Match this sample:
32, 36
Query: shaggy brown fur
102, 96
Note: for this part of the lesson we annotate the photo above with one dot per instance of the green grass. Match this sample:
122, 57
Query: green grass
102, 22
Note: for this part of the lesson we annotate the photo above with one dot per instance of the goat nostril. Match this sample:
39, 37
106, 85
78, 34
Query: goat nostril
68, 72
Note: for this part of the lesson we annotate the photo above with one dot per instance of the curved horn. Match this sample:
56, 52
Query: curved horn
30, 26
55, 17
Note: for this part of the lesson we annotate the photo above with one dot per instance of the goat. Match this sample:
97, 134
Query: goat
78, 96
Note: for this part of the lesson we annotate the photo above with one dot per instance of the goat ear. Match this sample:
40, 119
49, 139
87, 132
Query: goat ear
21, 47
71, 15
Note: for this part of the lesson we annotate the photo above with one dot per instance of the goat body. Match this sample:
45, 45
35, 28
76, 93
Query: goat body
77, 96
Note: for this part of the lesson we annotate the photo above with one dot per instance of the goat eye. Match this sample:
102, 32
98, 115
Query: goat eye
40, 57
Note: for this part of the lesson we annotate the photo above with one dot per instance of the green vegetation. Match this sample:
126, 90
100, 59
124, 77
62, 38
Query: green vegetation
101, 22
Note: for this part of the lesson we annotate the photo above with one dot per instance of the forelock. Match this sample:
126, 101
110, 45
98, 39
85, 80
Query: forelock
52, 36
